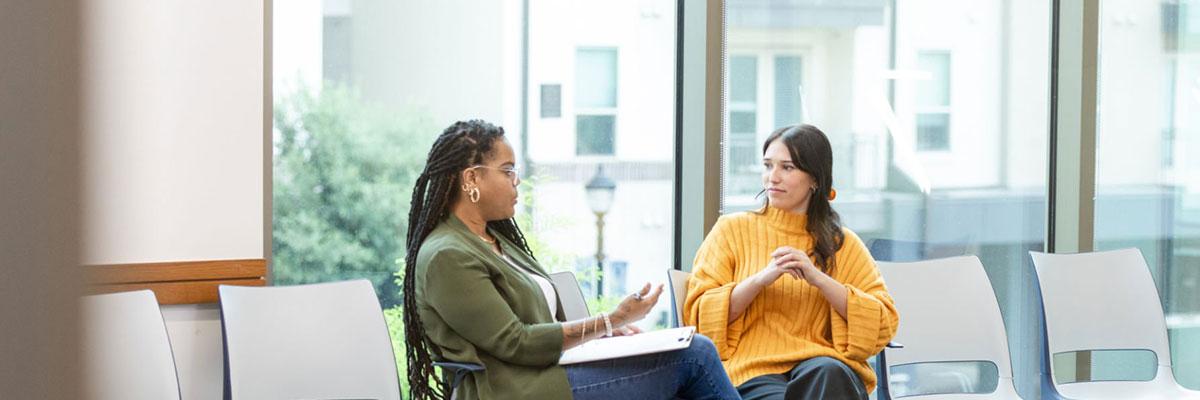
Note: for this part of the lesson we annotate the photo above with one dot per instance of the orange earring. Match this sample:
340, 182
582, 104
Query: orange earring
832, 194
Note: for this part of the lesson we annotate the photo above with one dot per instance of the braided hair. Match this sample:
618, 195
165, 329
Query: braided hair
459, 147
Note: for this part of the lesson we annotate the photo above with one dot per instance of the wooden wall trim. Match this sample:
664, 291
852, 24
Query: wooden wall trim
182, 282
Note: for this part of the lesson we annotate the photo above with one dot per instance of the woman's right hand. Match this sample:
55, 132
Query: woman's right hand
778, 266
635, 306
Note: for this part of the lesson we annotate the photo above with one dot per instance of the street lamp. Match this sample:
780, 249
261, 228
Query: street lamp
600, 190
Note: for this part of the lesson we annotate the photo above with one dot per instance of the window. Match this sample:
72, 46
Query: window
1147, 192
595, 101
551, 101
789, 94
749, 122
933, 101
362, 88
913, 180
743, 153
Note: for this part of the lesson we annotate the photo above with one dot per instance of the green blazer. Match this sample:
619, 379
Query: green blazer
477, 308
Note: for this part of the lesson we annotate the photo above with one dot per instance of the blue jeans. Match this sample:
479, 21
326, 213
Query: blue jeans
692, 373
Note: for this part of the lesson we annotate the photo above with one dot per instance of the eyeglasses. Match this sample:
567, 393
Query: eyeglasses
511, 172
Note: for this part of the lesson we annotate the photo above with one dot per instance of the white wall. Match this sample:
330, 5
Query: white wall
970, 32
1131, 95
451, 57
173, 110
643, 33
195, 332
173, 164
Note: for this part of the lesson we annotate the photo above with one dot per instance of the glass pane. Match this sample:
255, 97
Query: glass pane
596, 78
1147, 169
362, 88
789, 95
866, 83
743, 75
934, 89
933, 131
594, 134
1105, 365
744, 122
745, 156
336, 38
624, 119
970, 377
551, 101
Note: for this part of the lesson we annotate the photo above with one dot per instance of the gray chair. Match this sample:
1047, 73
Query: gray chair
949, 314
1104, 300
572, 299
126, 353
321, 341
678, 280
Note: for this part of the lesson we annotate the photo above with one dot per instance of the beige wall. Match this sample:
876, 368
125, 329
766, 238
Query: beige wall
174, 145
39, 163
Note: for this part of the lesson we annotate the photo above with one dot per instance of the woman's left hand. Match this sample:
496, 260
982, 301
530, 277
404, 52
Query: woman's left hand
792, 258
833, 291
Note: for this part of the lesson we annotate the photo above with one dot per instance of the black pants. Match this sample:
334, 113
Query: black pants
814, 378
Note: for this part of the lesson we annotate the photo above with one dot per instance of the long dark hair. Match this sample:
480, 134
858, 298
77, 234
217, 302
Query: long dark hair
460, 146
811, 152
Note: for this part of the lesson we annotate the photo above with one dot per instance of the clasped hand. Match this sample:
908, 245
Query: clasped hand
791, 261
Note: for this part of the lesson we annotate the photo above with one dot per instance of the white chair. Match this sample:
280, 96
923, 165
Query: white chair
321, 341
679, 281
1104, 301
569, 294
948, 313
126, 353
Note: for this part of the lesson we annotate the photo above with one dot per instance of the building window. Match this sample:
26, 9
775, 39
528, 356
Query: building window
595, 101
337, 46
1168, 129
933, 101
551, 104
789, 94
743, 150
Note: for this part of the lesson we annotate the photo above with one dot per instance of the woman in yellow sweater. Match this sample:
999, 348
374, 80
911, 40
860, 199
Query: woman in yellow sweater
792, 300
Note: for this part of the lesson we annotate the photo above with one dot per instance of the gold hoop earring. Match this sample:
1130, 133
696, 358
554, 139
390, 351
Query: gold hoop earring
474, 194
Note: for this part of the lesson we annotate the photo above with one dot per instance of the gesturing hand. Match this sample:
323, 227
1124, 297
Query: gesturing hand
635, 307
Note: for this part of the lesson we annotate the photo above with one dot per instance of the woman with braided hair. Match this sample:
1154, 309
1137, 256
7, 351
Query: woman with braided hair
474, 293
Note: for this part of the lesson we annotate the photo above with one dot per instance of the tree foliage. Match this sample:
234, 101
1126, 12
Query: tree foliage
343, 175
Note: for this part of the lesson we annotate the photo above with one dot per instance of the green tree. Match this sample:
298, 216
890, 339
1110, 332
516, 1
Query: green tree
343, 176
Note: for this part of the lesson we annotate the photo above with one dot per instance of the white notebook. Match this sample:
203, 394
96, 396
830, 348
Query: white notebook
625, 346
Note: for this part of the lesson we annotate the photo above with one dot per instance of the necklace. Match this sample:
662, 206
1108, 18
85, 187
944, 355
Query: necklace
488, 241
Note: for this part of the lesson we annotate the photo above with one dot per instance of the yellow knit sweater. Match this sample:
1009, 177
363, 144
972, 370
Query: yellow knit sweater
790, 320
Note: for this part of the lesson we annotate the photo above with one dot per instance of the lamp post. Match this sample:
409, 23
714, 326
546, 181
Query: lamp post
600, 190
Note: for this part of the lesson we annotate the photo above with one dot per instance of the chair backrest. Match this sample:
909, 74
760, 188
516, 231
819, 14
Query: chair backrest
948, 312
1104, 300
679, 281
573, 302
321, 341
126, 351
896, 250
